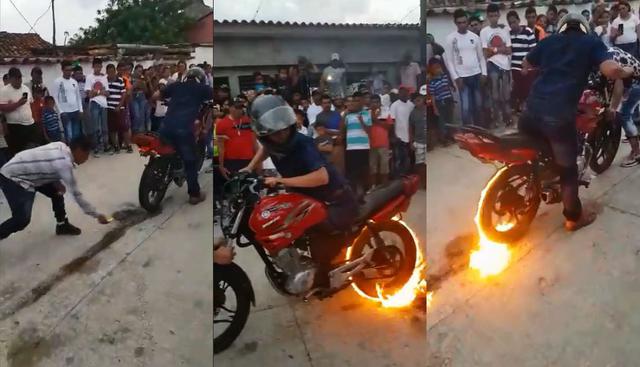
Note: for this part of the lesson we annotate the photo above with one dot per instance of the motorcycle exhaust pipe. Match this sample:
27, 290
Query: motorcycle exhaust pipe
550, 196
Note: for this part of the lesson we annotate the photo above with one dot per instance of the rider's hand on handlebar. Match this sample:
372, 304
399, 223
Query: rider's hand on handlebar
272, 181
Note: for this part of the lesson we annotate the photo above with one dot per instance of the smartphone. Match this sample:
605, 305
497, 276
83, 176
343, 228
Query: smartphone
620, 28
25, 95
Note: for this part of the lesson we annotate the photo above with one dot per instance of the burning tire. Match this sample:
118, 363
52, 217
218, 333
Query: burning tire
403, 259
509, 204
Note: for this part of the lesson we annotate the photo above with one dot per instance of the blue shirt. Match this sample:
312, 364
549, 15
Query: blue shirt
565, 61
440, 88
50, 119
357, 137
184, 105
303, 159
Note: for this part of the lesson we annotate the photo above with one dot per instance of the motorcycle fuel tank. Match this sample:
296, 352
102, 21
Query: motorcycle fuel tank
279, 220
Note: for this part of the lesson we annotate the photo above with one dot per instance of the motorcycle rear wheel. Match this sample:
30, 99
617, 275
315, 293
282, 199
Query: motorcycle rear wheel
501, 185
230, 276
406, 267
604, 142
153, 184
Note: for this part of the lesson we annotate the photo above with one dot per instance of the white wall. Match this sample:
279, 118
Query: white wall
441, 25
203, 53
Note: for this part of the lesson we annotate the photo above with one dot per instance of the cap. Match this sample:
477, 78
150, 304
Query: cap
335, 56
423, 90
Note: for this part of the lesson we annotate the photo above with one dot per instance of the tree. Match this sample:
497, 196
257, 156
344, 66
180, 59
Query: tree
138, 21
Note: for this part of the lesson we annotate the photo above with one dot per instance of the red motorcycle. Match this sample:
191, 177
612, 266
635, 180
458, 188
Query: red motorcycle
528, 176
280, 226
165, 165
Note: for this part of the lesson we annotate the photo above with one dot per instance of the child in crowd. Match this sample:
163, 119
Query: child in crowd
439, 87
300, 122
324, 141
51, 120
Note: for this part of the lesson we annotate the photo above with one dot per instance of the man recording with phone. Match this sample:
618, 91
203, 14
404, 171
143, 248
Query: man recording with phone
15, 101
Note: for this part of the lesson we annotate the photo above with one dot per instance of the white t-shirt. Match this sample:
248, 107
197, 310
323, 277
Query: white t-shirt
464, 56
497, 37
92, 79
312, 112
66, 93
629, 34
400, 112
409, 75
22, 115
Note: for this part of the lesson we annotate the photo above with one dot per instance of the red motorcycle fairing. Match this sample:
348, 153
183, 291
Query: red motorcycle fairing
279, 220
150, 143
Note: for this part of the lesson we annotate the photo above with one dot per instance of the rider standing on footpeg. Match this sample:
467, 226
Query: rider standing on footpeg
564, 61
301, 165
185, 100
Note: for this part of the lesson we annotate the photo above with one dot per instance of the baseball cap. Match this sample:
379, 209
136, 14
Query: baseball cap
335, 56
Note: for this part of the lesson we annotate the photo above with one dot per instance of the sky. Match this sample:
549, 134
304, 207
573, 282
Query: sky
71, 15
331, 11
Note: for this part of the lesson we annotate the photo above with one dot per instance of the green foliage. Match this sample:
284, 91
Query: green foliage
137, 21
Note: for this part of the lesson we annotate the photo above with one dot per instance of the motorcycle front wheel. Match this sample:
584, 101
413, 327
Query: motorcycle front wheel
230, 313
394, 234
154, 182
604, 142
509, 204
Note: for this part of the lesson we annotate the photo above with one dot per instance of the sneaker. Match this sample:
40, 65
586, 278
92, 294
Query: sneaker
195, 200
586, 218
67, 229
630, 161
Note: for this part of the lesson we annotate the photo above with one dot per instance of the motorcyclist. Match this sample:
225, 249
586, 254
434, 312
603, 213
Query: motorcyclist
303, 169
564, 61
185, 102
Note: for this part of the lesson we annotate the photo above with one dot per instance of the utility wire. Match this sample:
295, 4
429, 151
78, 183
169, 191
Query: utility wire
409, 13
19, 12
257, 10
40, 17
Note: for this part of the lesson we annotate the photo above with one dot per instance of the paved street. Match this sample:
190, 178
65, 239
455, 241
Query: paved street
344, 330
137, 292
566, 299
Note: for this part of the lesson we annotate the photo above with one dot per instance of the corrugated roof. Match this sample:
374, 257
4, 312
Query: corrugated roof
20, 44
435, 7
333, 25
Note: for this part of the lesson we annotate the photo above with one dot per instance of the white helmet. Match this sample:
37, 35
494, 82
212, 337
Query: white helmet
197, 74
573, 20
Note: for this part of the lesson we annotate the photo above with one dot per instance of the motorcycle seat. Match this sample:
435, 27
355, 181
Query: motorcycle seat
379, 197
519, 140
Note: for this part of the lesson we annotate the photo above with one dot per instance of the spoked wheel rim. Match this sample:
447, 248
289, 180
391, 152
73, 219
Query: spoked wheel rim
225, 308
511, 208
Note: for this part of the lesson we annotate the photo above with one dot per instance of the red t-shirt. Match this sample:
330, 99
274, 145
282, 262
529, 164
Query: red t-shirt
240, 140
380, 135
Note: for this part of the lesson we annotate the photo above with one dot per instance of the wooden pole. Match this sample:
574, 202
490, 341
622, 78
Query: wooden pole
423, 31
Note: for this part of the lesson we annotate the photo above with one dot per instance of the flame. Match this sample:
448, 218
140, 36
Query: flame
490, 258
429, 299
407, 294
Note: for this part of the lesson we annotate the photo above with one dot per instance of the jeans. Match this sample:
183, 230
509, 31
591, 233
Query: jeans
21, 204
22, 137
471, 100
563, 141
4, 156
100, 127
401, 159
500, 91
139, 106
445, 109
626, 111
72, 125
184, 142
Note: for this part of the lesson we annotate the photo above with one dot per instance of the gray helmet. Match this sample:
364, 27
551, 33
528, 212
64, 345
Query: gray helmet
575, 21
269, 114
197, 74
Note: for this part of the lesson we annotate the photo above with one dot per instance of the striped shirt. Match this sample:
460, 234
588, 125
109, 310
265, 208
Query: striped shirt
116, 91
43, 165
50, 120
357, 138
440, 88
521, 44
